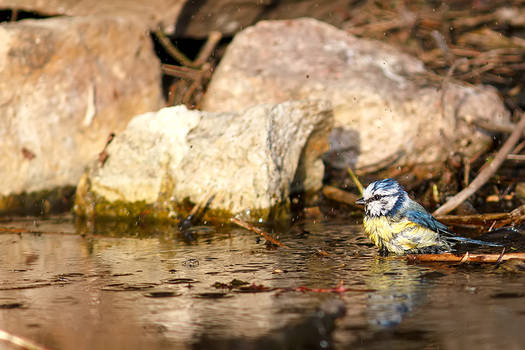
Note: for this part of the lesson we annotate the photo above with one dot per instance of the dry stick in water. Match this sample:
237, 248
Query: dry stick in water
196, 212
19, 341
467, 257
258, 231
486, 173
515, 217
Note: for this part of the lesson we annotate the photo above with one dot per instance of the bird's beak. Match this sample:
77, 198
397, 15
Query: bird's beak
360, 201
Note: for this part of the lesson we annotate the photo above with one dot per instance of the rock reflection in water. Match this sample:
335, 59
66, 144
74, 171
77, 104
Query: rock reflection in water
155, 289
146, 290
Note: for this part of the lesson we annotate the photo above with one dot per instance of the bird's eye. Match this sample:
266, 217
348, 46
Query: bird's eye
376, 197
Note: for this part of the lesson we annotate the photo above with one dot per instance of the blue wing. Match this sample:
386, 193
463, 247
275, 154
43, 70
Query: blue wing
424, 219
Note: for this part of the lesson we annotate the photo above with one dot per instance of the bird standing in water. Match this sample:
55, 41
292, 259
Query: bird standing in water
397, 224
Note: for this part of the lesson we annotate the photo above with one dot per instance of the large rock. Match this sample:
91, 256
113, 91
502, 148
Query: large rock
145, 13
383, 117
198, 18
249, 161
65, 85
191, 18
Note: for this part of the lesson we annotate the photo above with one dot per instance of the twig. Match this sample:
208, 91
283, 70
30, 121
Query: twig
519, 147
446, 79
196, 72
475, 219
486, 173
181, 72
14, 15
519, 157
441, 43
103, 156
466, 174
34, 232
196, 212
172, 50
355, 180
500, 257
19, 341
173, 91
341, 196
197, 83
448, 257
464, 258
205, 52
258, 231
507, 128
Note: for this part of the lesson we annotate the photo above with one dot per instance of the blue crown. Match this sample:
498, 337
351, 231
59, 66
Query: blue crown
386, 184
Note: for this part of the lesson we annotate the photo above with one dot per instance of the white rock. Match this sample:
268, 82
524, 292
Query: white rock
250, 161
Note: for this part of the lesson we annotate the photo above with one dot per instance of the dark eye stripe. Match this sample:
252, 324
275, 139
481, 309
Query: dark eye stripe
375, 198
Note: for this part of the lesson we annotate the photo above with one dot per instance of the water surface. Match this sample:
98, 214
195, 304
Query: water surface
66, 286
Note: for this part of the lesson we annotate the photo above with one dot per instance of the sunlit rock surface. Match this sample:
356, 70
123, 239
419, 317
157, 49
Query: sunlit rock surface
146, 13
387, 113
65, 85
249, 161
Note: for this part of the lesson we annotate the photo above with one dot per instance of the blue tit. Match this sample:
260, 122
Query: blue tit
397, 224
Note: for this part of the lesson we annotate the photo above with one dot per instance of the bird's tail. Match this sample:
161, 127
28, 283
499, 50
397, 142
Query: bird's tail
473, 241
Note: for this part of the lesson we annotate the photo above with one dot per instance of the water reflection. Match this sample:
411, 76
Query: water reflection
398, 290
154, 288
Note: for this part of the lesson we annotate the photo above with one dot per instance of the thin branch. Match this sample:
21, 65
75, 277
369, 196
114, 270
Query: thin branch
481, 258
196, 212
486, 173
520, 157
14, 15
205, 52
258, 231
507, 128
500, 257
341, 196
172, 50
475, 219
19, 341
355, 180
180, 71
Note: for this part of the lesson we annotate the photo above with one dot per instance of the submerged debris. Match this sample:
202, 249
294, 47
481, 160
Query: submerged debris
162, 294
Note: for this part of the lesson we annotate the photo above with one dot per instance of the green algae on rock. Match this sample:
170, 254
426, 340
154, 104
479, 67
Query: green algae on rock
251, 162
38, 202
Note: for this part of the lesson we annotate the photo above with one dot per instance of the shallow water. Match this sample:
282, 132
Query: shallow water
72, 287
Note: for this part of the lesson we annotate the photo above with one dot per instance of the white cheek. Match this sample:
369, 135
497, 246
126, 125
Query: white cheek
387, 205
374, 208
381, 207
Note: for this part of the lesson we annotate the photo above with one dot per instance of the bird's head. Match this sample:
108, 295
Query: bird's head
383, 197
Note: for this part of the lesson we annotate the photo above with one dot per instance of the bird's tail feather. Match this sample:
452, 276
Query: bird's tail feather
473, 241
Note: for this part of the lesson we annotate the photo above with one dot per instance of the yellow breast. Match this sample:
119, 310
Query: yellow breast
399, 236
382, 229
